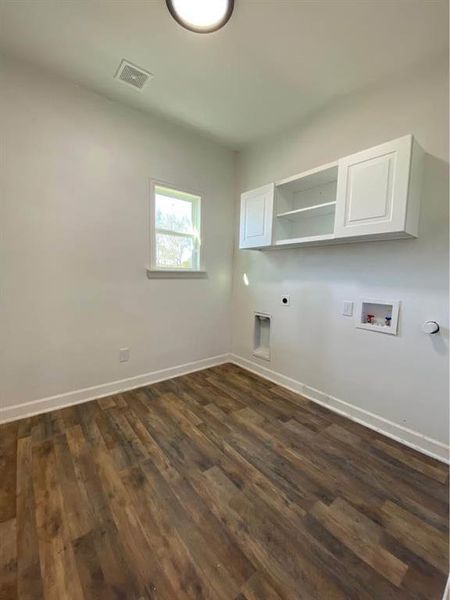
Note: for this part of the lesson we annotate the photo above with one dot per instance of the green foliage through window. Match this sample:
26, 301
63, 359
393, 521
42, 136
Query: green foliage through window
177, 229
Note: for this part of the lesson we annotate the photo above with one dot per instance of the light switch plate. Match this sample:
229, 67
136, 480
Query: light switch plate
347, 309
124, 354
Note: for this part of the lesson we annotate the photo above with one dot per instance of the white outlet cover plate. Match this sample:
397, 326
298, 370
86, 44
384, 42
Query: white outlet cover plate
347, 309
124, 354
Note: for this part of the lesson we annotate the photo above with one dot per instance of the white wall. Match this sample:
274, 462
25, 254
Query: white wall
74, 244
403, 379
74, 179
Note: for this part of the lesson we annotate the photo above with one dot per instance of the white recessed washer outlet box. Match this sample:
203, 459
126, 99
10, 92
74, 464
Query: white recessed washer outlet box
378, 315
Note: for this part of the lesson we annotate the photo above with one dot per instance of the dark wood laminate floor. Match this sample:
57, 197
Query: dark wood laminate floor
216, 485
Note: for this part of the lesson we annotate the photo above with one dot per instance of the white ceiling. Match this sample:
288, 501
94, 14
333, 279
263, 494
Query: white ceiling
275, 61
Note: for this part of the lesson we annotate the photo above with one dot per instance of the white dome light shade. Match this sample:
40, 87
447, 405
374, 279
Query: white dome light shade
201, 16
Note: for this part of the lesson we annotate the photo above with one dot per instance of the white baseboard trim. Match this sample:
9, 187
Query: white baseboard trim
401, 434
36, 407
446, 595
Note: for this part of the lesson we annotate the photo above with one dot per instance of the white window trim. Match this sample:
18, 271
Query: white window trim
153, 271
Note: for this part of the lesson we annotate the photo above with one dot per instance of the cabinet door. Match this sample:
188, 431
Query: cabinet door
372, 190
256, 217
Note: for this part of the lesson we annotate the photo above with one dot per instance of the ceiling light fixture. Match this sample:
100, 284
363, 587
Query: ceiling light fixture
201, 16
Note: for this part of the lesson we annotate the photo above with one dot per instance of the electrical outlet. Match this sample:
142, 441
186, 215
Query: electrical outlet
285, 300
124, 354
347, 309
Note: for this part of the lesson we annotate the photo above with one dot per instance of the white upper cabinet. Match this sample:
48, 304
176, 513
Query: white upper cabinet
378, 191
370, 195
256, 217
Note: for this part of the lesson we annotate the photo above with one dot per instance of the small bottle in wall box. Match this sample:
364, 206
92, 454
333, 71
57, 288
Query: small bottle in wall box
370, 319
387, 321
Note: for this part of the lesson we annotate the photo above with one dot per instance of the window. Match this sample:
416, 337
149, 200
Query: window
176, 228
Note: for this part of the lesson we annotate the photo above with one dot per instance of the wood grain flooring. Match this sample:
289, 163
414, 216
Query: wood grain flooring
216, 485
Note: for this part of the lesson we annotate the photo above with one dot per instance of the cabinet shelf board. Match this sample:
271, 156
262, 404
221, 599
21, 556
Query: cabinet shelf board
307, 240
317, 209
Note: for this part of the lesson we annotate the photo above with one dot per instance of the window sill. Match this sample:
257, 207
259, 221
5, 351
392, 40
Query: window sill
172, 274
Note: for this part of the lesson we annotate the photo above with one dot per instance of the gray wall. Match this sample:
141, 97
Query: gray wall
75, 240
74, 249
403, 379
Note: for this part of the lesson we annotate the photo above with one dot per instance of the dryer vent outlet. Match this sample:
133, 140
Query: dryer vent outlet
261, 336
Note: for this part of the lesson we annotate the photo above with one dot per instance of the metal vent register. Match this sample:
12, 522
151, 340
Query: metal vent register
132, 75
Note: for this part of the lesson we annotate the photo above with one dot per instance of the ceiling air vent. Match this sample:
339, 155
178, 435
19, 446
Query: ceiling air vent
132, 75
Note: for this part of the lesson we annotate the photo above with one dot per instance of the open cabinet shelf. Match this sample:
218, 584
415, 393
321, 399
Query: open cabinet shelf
305, 207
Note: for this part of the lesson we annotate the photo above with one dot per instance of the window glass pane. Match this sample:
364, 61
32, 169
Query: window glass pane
175, 252
173, 213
